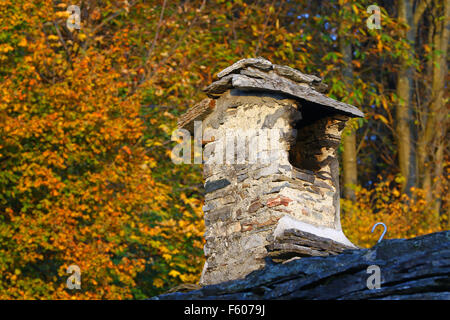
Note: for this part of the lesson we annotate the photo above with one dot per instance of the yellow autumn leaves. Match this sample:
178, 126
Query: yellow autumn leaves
405, 216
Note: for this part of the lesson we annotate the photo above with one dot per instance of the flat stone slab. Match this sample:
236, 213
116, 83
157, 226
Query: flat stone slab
197, 113
295, 75
293, 89
259, 62
296, 243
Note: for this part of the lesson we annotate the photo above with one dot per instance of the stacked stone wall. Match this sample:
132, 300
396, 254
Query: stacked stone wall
244, 201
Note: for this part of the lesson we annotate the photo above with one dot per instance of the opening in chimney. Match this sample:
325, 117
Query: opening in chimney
307, 151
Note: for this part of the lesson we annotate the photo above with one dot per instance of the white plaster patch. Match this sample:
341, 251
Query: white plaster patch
288, 222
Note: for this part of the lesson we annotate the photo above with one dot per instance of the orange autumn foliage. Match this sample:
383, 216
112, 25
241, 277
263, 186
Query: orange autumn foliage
70, 191
76, 181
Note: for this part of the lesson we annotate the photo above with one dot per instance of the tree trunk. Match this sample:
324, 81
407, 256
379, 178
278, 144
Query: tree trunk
423, 174
440, 68
432, 141
350, 176
406, 157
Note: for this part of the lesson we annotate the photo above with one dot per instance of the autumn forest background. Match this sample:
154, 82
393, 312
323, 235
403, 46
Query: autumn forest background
86, 117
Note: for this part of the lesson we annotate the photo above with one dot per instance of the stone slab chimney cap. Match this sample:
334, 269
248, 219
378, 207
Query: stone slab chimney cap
259, 74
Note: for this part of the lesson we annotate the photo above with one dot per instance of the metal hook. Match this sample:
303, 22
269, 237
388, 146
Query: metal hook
385, 229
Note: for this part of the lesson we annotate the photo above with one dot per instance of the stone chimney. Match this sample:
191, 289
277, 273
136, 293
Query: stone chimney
271, 171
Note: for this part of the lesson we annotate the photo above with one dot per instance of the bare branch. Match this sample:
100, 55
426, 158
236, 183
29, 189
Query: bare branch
69, 59
264, 29
155, 39
146, 74
419, 12
115, 14
362, 139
